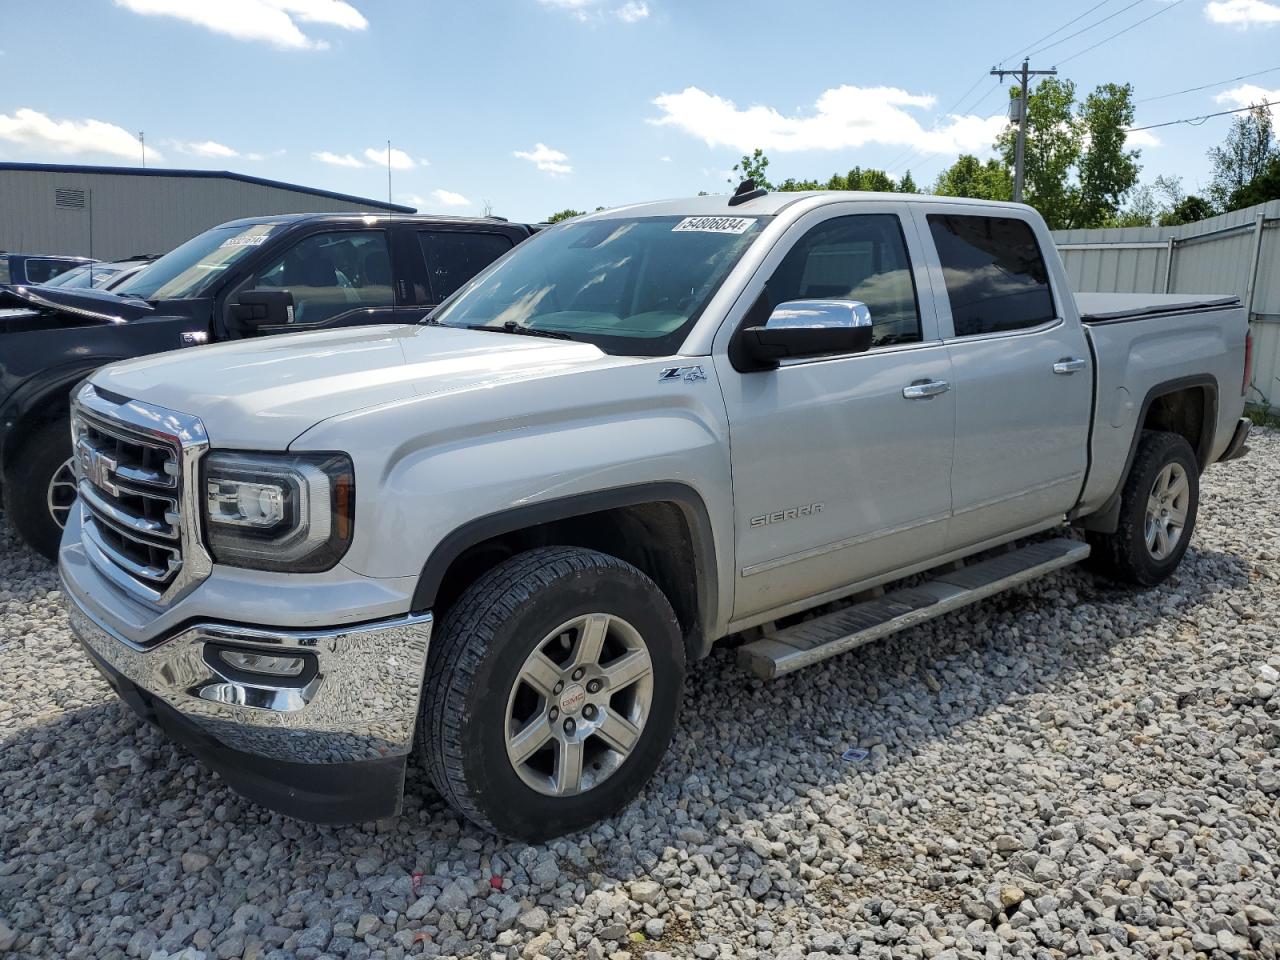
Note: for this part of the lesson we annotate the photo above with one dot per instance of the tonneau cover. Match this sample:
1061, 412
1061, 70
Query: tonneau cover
1113, 307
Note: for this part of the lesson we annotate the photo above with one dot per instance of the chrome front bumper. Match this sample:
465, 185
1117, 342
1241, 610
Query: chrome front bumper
360, 703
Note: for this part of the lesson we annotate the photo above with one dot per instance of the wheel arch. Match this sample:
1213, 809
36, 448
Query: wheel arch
35, 404
663, 528
1187, 406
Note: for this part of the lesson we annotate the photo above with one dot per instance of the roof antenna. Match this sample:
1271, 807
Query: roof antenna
747, 190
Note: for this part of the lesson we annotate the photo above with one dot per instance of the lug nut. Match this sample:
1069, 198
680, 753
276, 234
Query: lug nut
577, 674
558, 687
589, 711
570, 726
554, 713
593, 686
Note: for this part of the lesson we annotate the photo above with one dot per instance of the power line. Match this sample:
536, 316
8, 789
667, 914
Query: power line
1096, 23
1196, 121
912, 150
909, 156
1058, 30
1206, 86
1165, 9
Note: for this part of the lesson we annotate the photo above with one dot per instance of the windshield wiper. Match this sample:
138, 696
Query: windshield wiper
514, 326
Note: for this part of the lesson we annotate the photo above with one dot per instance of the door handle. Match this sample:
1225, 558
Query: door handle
1068, 365
924, 389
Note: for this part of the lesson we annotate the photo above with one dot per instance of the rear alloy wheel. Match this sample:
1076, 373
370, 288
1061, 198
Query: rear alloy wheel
1157, 513
62, 493
552, 690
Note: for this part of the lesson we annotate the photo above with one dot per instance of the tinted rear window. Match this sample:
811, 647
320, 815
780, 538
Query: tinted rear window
454, 257
996, 277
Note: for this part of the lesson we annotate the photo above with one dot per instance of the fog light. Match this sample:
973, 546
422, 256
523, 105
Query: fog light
265, 663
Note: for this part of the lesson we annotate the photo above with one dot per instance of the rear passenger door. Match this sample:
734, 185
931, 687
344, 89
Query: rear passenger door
1021, 371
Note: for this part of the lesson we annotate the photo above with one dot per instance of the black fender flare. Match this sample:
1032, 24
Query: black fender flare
40, 400
1106, 518
698, 519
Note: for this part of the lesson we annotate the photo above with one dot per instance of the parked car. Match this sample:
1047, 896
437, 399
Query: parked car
245, 278
506, 533
102, 275
35, 268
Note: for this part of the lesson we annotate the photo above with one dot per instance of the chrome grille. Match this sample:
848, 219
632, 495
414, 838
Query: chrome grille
136, 475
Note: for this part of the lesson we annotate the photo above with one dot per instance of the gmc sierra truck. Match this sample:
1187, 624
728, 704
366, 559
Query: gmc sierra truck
241, 279
500, 537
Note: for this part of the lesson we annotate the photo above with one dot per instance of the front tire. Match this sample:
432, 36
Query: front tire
552, 692
40, 488
1158, 509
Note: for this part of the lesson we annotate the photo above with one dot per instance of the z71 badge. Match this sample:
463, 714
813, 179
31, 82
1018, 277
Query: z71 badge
808, 510
691, 374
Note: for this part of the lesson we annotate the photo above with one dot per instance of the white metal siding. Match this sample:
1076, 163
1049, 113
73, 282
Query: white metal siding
134, 214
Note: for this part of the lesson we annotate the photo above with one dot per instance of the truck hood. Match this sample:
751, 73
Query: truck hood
80, 303
263, 393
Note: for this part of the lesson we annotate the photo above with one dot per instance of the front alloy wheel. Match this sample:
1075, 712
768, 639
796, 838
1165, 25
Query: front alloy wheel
553, 686
579, 705
62, 493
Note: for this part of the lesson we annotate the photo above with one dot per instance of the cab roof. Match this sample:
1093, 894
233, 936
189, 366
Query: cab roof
770, 204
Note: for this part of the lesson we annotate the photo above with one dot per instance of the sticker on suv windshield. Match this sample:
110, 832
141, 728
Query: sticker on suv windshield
250, 240
714, 225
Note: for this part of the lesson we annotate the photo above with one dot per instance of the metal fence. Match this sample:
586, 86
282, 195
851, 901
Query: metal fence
1234, 253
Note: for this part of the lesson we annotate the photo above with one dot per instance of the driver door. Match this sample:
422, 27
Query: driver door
837, 475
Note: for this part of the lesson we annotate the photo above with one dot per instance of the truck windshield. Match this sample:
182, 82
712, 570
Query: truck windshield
632, 286
189, 270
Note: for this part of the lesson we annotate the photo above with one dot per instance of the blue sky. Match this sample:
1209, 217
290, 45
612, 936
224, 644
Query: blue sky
537, 105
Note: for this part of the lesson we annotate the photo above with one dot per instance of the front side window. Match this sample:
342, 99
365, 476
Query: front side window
633, 286
996, 278
861, 257
190, 270
332, 273
453, 257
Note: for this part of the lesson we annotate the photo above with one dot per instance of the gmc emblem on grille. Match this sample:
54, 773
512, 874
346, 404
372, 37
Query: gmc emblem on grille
96, 467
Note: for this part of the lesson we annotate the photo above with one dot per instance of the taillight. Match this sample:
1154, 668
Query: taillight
1248, 363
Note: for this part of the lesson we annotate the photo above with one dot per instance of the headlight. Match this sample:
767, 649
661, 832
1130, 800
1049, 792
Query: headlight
279, 511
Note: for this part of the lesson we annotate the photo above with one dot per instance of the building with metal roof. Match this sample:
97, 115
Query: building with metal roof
114, 212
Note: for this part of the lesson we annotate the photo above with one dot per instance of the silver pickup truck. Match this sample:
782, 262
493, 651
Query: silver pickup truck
499, 538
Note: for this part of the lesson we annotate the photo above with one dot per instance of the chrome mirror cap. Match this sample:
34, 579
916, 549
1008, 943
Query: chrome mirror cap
819, 314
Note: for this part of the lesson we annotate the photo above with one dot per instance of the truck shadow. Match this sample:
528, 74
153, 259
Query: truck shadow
750, 762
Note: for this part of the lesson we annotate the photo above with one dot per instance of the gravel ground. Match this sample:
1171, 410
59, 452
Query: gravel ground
1068, 769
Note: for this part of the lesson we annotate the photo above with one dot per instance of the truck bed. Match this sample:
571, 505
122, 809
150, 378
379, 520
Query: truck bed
1120, 307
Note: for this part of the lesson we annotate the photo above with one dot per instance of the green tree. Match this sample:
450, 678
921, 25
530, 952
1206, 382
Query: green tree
907, 184
970, 177
752, 167
1077, 169
1189, 209
1245, 154
564, 215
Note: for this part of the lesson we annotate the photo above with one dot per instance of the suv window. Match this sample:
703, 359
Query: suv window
42, 271
332, 273
996, 278
861, 257
4, 269
454, 257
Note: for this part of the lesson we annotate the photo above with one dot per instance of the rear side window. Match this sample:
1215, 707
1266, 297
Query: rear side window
454, 257
41, 271
996, 278
861, 257
4, 269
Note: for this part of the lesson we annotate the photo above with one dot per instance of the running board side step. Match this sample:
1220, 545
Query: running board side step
827, 636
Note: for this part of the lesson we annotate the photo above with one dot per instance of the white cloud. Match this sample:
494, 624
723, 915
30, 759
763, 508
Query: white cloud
336, 159
450, 199
1141, 138
843, 117
1243, 13
546, 159
1246, 94
633, 11
271, 21
399, 159
34, 129
664, 159
206, 148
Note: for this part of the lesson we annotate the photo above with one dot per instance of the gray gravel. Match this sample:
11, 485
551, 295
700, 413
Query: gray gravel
1066, 770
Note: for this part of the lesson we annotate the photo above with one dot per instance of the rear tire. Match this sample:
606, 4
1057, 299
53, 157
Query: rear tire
552, 692
39, 491
1158, 509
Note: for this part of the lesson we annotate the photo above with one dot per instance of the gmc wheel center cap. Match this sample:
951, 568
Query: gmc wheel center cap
572, 698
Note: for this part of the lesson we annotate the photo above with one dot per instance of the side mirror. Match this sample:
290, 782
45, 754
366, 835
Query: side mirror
254, 309
808, 328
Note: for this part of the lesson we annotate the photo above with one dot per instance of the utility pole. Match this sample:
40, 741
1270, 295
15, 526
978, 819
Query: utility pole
1024, 74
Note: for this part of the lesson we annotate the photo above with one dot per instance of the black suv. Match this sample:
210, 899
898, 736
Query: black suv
264, 275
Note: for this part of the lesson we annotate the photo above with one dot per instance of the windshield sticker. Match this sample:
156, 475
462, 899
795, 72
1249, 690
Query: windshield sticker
255, 240
714, 225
